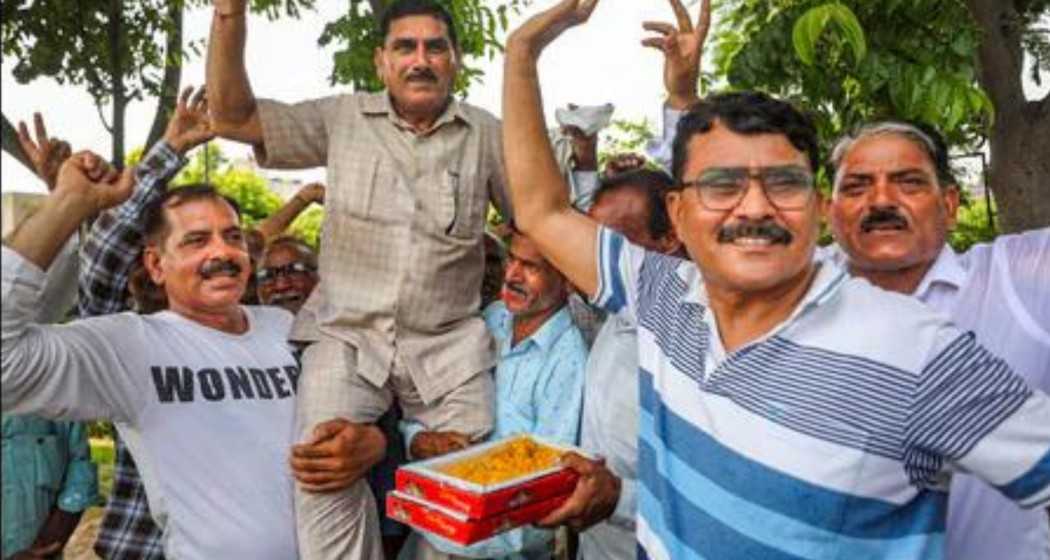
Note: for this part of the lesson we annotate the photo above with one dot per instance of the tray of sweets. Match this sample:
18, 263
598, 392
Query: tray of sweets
456, 526
491, 478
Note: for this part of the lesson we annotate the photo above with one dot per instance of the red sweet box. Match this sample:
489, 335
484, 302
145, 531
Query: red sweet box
427, 483
457, 527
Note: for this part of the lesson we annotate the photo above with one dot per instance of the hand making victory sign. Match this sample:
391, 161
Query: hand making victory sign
682, 47
46, 153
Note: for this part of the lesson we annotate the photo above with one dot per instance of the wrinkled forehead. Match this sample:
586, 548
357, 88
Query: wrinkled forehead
284, 254
885, 152
210, 214
724, 148
420, 27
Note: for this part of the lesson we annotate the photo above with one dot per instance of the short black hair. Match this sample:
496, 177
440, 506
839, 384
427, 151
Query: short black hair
654, 184
156, 226
746, 112
405, 8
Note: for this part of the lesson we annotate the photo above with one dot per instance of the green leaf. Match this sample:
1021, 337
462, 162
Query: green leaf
809, 28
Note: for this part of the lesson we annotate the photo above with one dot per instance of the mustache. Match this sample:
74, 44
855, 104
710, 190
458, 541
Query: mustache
421, 74
517, 288
216, 267
766, 229
883, 216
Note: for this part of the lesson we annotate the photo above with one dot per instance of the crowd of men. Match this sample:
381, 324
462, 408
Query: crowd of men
747, 393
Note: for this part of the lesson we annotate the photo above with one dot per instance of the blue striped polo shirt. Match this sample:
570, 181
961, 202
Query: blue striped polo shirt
832, 436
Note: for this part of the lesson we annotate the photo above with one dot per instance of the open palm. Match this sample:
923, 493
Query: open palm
189, 125
682, 47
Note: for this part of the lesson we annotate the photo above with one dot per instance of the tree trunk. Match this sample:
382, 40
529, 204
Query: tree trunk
169, 88
1020, 138
120, 101
11, 145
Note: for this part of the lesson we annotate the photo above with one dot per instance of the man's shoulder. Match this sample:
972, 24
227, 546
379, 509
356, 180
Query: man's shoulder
479, 116
272, 319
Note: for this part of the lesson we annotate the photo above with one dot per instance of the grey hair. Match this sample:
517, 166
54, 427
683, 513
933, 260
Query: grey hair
928, 139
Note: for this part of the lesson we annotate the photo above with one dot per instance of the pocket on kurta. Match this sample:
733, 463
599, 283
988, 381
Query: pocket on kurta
461, 193
49, 460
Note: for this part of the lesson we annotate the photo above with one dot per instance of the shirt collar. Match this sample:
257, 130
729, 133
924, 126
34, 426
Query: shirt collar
378, 103
945, 270
546, 335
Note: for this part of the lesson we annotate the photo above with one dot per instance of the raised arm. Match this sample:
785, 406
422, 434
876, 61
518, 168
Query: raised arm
72, 371
540, 198
276, 224
113, 244
235, 113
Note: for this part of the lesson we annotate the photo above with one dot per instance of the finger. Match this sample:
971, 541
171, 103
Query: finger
121, 189
312, 464
184, 97
682, 16
200, 101
316, 474
568, 510
41, 130
580, 464
28, 146
660, 27
310, 451
324, 431
657, 43
703, 21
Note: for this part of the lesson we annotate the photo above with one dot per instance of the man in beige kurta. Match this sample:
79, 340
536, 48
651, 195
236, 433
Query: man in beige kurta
411, 172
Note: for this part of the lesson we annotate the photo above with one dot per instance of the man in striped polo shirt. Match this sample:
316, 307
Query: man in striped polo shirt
787, 410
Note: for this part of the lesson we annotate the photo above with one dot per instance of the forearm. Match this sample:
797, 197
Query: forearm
277, 223
42, 235
114, 243
536, 186
230, 98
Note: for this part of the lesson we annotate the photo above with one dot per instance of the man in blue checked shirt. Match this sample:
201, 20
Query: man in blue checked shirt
787, 410
539, 386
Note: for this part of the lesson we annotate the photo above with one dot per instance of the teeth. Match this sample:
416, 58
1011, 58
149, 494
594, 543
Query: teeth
753, 241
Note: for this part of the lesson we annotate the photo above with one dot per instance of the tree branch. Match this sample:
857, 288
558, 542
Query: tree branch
11, 145
169, 88
1000, 56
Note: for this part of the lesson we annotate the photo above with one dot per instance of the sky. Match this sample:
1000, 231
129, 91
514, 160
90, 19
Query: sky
598, 62
284, 62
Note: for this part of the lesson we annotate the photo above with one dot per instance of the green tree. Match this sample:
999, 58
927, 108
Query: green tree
956, 64
119, 51
131, 51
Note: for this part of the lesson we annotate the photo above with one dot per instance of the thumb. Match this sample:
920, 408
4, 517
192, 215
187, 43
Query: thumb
120, 190
324, 431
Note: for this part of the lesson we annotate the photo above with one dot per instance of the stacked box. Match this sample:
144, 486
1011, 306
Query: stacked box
431, 498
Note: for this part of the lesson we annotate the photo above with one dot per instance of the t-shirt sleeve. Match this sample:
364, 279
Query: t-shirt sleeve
74, 371
619, 264
972, 413
295, 135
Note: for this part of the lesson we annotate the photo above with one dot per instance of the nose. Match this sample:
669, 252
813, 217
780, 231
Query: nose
512, 272
882, 193
755, 205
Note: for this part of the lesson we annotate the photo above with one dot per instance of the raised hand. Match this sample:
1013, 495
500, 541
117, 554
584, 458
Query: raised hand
313, 192
682, 47
189, 125
92, 184
544, 27
46, 153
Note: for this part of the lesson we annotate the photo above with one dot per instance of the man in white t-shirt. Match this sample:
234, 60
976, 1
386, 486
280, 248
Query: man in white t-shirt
203, 392
894, 202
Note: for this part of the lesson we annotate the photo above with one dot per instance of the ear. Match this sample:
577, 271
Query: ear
951, 204
379, 60
151, 260
673, 201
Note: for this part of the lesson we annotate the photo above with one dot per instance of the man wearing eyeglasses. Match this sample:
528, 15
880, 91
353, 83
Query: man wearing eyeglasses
787, 409
288, 274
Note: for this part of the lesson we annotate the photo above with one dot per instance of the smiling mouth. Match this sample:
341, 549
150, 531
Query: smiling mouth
281, 299
868, 228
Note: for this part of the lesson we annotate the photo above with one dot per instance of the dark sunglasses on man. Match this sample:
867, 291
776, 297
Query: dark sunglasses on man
270, 274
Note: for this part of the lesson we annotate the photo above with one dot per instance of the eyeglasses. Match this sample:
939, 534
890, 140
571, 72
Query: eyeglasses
787, 187
292, 269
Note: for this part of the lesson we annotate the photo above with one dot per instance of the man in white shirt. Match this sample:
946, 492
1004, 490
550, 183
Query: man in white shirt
894, 202
203, 392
